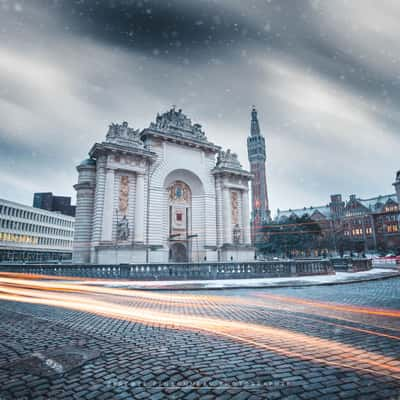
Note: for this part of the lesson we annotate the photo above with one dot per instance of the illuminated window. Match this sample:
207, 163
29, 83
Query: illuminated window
392, 228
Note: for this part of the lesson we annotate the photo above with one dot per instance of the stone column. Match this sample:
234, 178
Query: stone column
139, 208
108, 210
219, 212
227, 216
99, 201
83, 222
85, 190
246, 217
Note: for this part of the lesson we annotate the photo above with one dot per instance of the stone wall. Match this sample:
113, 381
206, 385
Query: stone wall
181, 271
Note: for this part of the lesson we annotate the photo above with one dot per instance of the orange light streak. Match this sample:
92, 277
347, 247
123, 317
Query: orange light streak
26, 276
212, 301
337, 307
274, 306
278, 340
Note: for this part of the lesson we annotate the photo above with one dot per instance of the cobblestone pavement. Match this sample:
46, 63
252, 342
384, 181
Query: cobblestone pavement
335, 342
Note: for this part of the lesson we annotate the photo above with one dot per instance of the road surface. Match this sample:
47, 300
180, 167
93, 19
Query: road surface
63, 340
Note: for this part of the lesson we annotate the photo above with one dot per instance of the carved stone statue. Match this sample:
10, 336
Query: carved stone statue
228, 159
175, 122
124, 135
123, 229
236, 234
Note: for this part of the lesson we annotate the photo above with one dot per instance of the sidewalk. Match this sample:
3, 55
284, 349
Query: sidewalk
339, 278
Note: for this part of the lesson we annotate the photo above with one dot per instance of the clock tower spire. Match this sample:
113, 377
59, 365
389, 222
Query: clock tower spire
256, 152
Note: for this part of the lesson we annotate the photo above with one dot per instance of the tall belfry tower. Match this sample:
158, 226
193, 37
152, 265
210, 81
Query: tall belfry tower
256, 151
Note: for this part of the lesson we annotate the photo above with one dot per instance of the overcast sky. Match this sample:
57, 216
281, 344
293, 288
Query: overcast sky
324, 75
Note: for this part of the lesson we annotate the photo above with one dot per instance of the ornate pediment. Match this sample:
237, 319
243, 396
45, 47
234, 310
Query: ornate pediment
227, 159
123, 135
175, 122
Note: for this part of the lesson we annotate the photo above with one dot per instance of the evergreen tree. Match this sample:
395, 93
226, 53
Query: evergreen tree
295, 235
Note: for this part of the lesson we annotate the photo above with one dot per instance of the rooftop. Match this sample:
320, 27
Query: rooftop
374, 204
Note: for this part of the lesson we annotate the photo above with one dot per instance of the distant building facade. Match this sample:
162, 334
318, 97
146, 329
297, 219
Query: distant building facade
47, 201
163, 194
260, 213
30, 234
357, 224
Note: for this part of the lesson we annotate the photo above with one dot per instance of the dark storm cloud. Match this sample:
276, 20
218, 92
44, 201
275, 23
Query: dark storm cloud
177, 29
174, 28
170, 27
324, 76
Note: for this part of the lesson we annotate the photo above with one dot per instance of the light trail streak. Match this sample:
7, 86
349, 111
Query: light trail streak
274, 306
99, 289
277, 340
193, 301
337, 307
29, 276
352, 328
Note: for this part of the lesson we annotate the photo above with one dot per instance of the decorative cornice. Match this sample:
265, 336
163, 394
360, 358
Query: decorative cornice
84, 185
190, 142
234, 172
244, 188
104, 148
81, 167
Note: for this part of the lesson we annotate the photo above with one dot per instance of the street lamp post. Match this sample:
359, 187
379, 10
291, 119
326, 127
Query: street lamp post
333, 235
116, 238
197, 243
172, 237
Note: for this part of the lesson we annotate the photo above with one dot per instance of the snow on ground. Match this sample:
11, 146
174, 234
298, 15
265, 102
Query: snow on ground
339, 277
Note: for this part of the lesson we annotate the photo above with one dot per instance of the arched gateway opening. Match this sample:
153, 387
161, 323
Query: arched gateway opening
178, 253
184, 193
180, 221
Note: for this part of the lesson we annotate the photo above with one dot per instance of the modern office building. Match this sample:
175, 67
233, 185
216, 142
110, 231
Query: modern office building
31, 234
47, 201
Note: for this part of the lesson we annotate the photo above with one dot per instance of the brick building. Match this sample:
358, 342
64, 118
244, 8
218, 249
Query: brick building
360, 225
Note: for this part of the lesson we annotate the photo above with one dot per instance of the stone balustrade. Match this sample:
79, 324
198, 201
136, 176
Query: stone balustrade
181, 271
351, 264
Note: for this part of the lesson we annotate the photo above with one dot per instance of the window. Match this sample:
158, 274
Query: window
392, 228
